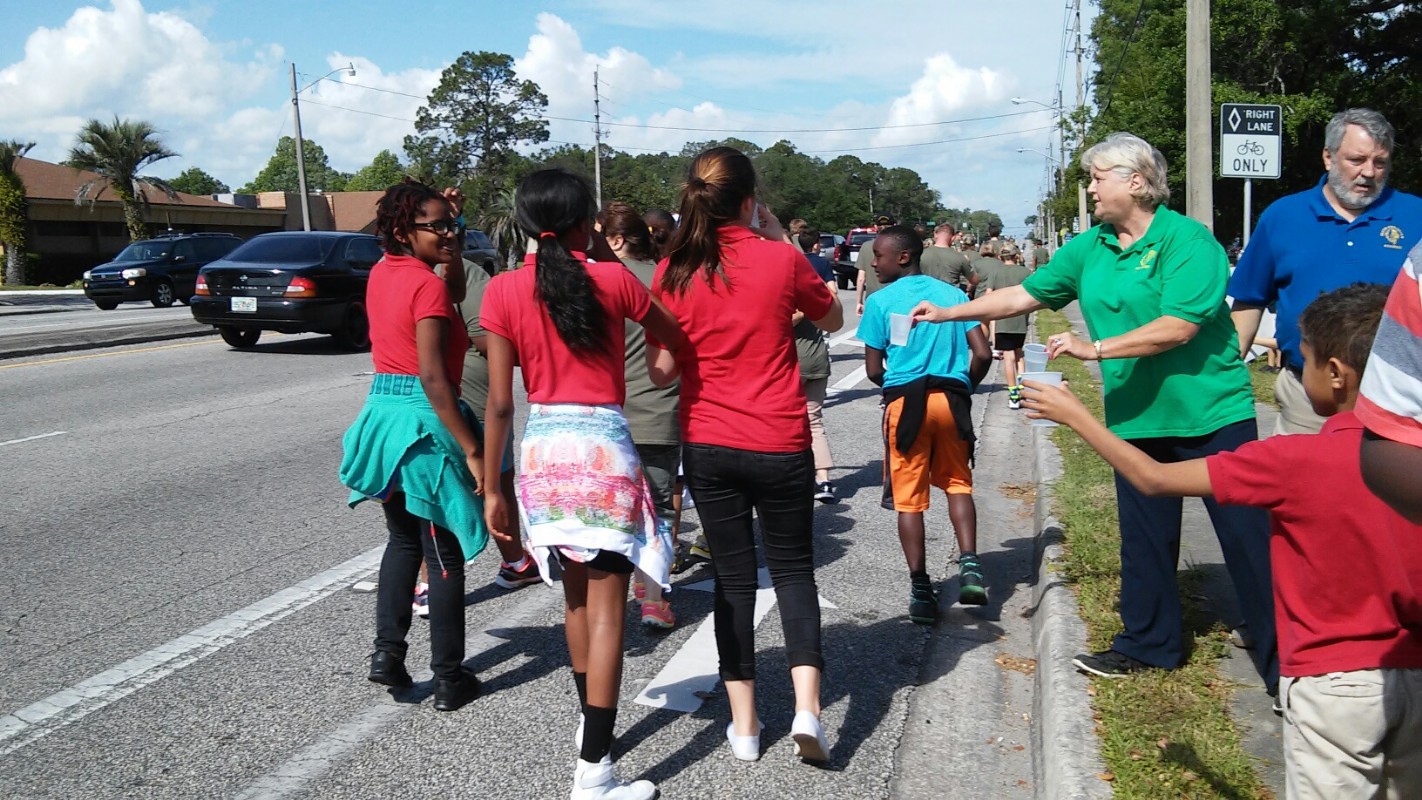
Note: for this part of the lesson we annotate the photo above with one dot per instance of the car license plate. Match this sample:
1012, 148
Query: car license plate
854, 256
244, 305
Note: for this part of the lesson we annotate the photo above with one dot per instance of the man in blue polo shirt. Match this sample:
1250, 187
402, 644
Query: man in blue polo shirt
1351, 227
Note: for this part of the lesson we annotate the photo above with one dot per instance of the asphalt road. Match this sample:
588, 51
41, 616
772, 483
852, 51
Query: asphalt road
177, 615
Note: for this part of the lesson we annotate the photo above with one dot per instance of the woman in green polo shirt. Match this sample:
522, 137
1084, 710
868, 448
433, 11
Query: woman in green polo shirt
1151, 287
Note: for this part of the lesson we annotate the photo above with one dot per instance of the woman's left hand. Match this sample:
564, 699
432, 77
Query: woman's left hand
1065, 343
455, 198
475, 464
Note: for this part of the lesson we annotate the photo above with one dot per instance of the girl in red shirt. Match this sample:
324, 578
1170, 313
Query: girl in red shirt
745, 432
581, 490
412, 448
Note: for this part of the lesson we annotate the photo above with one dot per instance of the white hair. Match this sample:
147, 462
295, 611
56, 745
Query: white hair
1126, 154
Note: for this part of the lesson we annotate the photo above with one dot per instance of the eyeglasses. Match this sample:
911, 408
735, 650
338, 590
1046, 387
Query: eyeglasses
441, 227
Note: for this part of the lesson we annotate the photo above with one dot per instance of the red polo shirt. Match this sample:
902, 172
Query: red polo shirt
1340, 557
740, 375
404, 290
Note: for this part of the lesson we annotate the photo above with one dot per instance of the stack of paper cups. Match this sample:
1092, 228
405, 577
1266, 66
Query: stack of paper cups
1049, 378
1036, 357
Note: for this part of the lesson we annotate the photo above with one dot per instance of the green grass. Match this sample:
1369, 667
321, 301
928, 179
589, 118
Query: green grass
12, 287
1164, 734
1263, 381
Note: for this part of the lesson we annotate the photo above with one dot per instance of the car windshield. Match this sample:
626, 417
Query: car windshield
284, 250
145, 251
861, 238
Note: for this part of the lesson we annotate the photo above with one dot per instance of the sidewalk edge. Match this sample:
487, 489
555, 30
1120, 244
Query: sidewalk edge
1067, 753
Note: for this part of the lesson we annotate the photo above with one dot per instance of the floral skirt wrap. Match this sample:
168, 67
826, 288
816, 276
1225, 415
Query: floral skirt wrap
398, 444
581, 490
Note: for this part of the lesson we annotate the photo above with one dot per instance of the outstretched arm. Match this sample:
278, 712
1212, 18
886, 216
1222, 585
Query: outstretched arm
1010, 302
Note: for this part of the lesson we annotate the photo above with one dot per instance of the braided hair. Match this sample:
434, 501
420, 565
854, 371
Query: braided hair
551, 202
396, 210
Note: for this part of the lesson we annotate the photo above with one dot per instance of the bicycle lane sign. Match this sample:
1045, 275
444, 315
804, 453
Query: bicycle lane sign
1251, 140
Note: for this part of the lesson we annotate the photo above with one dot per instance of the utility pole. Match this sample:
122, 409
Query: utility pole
597, 139
1199, 153
300, 156
1081, 219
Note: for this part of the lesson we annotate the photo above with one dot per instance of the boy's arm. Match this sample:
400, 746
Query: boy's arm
982, 355
1390, 470
874, 365
1182, 479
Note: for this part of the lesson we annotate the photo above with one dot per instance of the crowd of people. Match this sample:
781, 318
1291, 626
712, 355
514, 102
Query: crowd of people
662, 352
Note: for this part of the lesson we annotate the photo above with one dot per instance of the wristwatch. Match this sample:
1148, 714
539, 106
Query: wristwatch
1098, 349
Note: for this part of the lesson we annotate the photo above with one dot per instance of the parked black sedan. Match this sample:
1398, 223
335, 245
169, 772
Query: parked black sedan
292, 282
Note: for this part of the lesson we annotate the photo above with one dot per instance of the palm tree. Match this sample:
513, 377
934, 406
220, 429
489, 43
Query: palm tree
14, 209
117, 153
500, 220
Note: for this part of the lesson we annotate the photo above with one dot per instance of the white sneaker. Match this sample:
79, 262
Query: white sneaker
596, 782
578, 734
810, 743
746, 748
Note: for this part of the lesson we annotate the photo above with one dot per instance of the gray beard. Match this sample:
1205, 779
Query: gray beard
1348, 198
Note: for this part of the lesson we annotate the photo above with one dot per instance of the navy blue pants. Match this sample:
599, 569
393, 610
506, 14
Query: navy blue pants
1150, 553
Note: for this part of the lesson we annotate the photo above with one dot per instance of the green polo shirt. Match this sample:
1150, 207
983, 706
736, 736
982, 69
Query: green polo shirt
1176, 269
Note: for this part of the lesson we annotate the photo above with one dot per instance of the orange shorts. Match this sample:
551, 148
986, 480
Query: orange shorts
938, 456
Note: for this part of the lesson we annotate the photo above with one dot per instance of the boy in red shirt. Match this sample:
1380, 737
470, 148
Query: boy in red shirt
1351, 667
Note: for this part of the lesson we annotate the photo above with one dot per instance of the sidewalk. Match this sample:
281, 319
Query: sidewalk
1250, 708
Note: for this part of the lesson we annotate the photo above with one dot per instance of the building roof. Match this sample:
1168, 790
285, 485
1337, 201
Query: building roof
353, 211
46, 181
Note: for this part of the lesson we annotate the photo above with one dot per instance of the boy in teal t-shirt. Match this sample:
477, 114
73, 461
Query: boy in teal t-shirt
928, 384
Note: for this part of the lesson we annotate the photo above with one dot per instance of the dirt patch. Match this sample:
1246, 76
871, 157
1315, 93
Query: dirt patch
1026, 492
1026, 666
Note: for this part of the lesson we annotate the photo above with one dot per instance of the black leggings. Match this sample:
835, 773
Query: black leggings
412, 539
727, 484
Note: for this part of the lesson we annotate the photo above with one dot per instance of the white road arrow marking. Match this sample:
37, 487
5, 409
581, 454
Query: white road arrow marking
695, 670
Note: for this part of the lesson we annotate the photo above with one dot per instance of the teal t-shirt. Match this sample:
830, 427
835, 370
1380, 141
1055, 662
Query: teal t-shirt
1176, 269
940, 349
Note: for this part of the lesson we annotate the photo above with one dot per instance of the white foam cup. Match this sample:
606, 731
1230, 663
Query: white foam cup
899, 327
1049, 378
1034, 361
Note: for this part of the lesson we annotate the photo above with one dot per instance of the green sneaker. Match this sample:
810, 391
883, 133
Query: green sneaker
1014, 397
971, 591
923, 604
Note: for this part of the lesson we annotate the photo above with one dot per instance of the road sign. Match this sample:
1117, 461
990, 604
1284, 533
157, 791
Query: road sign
1251, 140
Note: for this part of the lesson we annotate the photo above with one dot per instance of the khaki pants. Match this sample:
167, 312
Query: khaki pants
1295, 411
815, 391
1353, 734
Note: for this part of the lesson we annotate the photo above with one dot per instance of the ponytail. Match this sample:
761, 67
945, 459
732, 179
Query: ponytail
550, 203
719, 181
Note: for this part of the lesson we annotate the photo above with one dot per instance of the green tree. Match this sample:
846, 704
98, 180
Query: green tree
196, 181
500, 221
118, 152
14, 210
280, 174
380, 174
473, 121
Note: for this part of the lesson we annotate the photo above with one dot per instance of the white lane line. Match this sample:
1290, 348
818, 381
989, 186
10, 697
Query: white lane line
32, 438
845, 338
848, 381
694, 670
78, 701
317, 759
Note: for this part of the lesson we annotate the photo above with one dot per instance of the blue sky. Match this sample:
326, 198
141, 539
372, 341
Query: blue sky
213, 77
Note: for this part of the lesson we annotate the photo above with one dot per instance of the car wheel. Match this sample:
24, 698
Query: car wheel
106, 305
239, 337
163, 295
355, 333
187, 301
843, 281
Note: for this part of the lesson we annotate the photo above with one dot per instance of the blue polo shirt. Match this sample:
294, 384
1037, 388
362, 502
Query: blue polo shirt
1302, 248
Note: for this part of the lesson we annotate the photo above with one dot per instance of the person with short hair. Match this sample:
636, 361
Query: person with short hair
1009, 334
1350, 658
1150, 283
928, 385
947, 263
1351, 227
1040, 255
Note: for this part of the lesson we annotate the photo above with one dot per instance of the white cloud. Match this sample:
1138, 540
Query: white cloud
943, 91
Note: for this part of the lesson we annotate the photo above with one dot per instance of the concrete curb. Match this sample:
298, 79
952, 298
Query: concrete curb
1067, 753
62, 342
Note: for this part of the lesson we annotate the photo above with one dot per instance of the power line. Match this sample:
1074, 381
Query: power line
924, 144
1131, 35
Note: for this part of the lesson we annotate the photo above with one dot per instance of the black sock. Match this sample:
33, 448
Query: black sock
580, 679
597, 732
919, 576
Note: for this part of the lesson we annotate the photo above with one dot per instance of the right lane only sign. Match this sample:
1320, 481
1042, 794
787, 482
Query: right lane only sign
1251, 140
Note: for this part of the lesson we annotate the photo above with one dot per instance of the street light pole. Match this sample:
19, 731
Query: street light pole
301, 143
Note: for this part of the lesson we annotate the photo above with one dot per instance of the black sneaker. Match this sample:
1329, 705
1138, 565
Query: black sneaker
1109, 664
388, 669
510, 578
450, 695
971, 591
824, 492
923, 604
